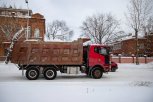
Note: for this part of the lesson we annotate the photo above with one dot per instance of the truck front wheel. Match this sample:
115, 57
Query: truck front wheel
32, 73
96, 73
113, 69
50, 73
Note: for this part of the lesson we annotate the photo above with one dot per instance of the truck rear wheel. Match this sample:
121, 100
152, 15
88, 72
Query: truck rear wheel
32, 73
96, 73
50, 73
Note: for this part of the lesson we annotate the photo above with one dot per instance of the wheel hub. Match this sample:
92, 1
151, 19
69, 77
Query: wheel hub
49, 73
32, 73
97, 73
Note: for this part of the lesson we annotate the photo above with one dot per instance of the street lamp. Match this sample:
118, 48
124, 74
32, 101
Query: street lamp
26, 1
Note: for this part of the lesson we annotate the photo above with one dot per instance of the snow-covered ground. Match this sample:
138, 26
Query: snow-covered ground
131, 83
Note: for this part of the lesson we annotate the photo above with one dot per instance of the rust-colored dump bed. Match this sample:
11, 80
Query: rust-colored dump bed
48, 53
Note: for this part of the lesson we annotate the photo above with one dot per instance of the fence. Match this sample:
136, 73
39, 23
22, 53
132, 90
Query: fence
131, 59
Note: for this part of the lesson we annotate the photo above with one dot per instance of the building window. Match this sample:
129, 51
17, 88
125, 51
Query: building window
19, 14
28, 31
6, 13
117, 46
36, 33
10, 13
3, 13
141, 46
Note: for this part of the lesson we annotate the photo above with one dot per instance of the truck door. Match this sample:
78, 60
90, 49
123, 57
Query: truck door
103, 54
103, 51
98, 55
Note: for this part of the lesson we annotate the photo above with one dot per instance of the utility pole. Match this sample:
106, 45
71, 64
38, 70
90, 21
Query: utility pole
137, 47
27, 35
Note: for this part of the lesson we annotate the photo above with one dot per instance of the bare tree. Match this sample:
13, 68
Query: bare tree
148, 30
149, 27
138, 14
139, 11
119, 36
100, 28
8, 26
58, 30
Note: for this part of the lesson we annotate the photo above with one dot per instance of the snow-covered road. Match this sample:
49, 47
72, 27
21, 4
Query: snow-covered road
131, 83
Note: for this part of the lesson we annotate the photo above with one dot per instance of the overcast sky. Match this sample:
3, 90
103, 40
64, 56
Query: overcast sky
74, 12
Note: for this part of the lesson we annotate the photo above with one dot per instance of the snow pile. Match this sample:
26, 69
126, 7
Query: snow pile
142, 83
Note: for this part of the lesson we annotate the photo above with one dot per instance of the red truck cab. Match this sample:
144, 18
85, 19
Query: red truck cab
96, 59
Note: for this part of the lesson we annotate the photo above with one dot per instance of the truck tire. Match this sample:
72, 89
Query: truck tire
96, 73
50, 73
32, 73
113, 69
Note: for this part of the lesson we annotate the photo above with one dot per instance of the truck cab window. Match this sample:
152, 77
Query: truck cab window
103, 51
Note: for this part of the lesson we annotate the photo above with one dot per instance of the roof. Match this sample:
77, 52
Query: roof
14, 9
15, 12
127, 39
140, 38
37, 15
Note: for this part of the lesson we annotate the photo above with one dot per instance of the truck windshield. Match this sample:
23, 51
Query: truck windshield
102, 50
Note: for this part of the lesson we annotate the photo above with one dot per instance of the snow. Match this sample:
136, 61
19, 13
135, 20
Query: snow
131, 83
51, 40
31, 40
6, 42
55, 40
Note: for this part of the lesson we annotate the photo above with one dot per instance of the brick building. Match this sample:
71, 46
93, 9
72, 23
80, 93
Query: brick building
127, 47
13, 19
149, 44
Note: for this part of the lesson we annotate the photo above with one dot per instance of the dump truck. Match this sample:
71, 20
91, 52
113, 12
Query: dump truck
40, 57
